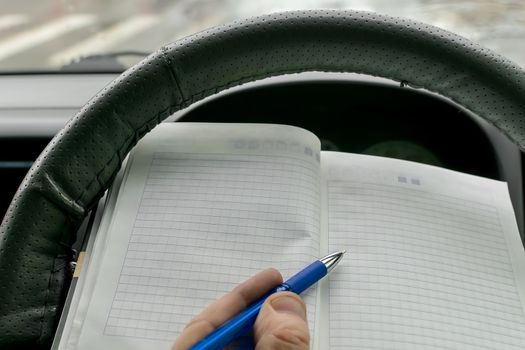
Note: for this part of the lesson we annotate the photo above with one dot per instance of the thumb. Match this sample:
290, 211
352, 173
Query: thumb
282, 324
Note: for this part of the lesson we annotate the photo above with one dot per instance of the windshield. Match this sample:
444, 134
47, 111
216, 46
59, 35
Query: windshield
110, 35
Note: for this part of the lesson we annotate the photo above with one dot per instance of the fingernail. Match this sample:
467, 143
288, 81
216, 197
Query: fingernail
289, 304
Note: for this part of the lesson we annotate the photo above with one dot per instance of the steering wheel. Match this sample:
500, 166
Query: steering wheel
81, 161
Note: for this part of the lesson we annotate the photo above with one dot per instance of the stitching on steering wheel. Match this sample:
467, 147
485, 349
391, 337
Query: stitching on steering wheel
171, 69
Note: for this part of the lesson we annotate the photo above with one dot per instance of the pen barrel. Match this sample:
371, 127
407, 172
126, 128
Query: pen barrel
244, 321
306, 277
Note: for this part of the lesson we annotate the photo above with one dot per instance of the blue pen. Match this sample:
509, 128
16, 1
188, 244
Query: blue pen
244, 321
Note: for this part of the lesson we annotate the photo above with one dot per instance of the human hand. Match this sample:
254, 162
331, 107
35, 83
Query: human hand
281, 323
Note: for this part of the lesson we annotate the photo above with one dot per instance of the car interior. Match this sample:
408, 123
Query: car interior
440, 100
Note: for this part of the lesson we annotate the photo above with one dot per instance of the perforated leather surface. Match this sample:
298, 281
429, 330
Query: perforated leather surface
82, 160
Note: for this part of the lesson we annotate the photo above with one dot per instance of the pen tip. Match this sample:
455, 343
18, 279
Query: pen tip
330, 261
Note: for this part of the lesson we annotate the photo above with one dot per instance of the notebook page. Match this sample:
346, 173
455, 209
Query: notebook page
435, 260
202, 208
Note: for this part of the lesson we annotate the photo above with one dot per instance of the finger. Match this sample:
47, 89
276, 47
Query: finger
240, 297
282, 324
227, 306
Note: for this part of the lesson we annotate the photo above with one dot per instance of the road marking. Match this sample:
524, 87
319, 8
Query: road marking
10, 21
46, 32
104, 40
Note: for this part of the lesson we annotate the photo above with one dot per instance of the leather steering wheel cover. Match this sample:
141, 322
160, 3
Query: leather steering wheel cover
80, 163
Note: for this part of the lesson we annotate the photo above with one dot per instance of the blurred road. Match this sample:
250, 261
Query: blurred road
43, 35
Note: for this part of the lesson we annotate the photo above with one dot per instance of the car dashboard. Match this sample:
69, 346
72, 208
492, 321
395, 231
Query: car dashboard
348, 112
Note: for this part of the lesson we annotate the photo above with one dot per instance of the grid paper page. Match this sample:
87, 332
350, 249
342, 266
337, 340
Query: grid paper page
204, 222
427, 268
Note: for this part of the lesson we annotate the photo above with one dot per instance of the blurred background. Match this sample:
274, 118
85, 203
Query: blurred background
109, 35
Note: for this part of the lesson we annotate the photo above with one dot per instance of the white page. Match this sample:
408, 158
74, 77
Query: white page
435, 260
202, 208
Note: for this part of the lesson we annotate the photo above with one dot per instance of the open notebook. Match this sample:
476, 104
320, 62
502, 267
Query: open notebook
435, 259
